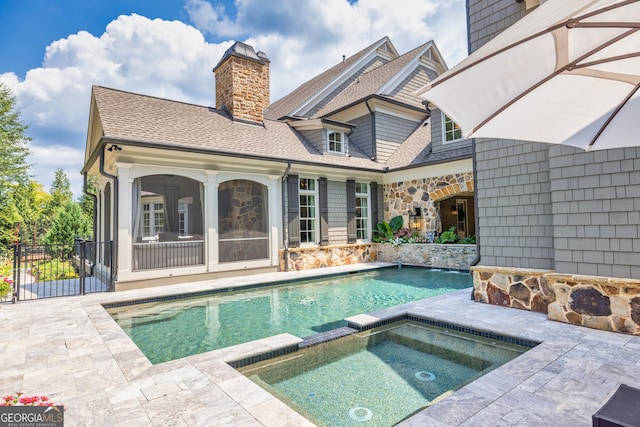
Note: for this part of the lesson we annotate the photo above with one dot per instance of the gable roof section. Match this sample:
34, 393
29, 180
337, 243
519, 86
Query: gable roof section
158, 122
414, 152
385, 79
314, 91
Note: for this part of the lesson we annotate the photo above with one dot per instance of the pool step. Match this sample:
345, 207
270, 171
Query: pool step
326, 336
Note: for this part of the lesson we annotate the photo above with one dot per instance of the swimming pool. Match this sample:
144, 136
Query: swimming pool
174, 329
381, 376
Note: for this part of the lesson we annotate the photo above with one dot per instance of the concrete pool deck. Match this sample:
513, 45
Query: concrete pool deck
72, 351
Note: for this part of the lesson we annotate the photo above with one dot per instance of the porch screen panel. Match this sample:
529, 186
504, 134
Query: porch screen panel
167, 219
243, 221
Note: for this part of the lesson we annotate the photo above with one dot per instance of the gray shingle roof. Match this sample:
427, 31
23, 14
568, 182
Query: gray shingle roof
369, 83
285, 105
414, 152
158, 121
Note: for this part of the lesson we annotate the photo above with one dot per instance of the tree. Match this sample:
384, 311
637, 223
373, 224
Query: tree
68, 224
86, 202
31, 200
13, 163
60, 195
13, 141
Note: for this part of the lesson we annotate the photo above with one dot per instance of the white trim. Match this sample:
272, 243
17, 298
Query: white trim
368, 217
429, 171
316, 208
444, 130
426, 58
342, 142
312, 101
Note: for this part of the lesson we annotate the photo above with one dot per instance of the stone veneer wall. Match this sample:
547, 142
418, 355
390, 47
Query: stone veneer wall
609, 304
511, 287
401, 198
307, 258
457, 257
242, 86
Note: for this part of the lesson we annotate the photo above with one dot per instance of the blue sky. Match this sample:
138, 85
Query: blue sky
52, 51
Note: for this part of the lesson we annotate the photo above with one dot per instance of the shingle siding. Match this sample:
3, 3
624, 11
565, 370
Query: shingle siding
552, 206
411, 84
489, 18
514, 204
337, 195
361, 135
315, 138
595, 210
391, 132
437, 135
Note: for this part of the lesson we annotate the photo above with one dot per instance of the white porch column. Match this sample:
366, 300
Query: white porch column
211, 219
124, 220
275, 217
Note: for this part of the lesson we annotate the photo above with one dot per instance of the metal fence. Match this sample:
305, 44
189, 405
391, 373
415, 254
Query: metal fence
47, 271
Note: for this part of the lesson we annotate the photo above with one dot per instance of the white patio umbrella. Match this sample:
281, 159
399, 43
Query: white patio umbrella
567, 73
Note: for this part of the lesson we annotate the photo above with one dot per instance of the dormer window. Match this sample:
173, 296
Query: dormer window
335, 142
452, 131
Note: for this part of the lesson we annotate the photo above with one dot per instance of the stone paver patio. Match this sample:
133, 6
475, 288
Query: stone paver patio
71, 350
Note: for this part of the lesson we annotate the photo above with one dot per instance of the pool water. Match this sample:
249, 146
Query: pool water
380, 377
174, 329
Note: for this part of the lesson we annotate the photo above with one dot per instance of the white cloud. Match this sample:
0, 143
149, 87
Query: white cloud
172, 59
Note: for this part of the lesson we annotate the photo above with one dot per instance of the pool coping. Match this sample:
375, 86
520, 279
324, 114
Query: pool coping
91, 365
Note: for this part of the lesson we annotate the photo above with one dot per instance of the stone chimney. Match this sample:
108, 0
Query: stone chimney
242, 83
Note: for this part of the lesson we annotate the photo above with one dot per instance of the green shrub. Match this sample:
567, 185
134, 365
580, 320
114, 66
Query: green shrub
46, 271
449, 236
387, 231
469, 240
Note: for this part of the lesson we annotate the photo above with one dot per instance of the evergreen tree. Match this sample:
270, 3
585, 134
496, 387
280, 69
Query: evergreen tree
60, 195
86, 202
68, 224
13, 164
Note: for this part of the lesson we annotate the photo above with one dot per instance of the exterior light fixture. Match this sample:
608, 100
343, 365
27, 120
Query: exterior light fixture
415, 219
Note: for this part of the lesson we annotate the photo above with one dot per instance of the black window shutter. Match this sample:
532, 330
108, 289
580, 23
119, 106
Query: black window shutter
351, 211
324, 211
293, 210
374, 205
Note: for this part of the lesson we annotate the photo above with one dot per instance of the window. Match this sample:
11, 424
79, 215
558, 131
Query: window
152, 218
362, 211
308, 222
336, 142
183, 218
452, 131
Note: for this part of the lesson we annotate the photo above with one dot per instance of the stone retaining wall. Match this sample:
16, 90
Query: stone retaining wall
307, 258
457, 257
527, 289
609, 304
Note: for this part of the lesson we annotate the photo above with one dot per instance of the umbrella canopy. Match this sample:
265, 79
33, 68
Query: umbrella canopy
567, 73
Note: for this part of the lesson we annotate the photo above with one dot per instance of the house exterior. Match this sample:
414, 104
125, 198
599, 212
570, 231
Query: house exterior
558, 227
187, 191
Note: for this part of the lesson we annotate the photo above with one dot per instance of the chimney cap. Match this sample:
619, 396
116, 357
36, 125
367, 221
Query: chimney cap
243, 50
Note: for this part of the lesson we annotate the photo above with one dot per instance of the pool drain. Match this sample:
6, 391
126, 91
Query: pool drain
360, 414
425, 376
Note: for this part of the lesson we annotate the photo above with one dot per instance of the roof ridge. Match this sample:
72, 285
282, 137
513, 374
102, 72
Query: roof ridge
151, 96
336, 69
